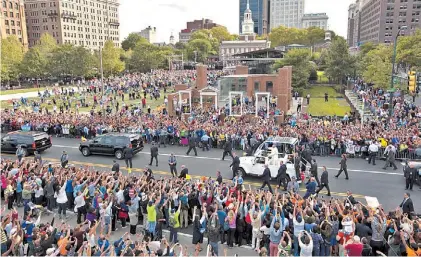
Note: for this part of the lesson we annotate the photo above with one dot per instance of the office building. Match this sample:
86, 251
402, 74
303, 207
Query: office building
149, 34
351, 24
12, 20
88, 23
288, 13
380, 20
247, 40
319, 20
260, 11
191, 26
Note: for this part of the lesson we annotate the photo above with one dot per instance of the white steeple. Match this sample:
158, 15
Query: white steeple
172, 41
248, 23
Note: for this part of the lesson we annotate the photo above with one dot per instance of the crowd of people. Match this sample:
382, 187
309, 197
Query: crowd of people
227, 212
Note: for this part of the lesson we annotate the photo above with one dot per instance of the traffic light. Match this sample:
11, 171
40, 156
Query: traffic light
412, 81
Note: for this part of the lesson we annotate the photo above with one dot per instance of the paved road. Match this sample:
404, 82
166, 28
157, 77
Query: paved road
28, 94
365, 180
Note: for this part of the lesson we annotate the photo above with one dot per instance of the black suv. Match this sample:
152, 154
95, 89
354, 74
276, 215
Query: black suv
111, 144
30, 141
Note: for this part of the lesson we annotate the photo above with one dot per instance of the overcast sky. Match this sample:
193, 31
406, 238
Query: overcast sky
171, 15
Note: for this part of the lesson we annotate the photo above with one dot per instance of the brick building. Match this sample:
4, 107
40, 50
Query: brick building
192, 26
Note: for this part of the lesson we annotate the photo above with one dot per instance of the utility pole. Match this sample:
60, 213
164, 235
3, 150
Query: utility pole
102, 80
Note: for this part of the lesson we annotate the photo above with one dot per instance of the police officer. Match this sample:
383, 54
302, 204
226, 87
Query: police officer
266, 178
172, 162
163, 137
373, 149
390, 159
410, 174
343, 167
192, 146
227, 149
154, 154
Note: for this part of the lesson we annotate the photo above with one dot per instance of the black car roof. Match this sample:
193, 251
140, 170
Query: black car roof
27, 133
116, 134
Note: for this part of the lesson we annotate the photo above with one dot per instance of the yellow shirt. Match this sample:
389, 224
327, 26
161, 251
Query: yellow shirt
151, 210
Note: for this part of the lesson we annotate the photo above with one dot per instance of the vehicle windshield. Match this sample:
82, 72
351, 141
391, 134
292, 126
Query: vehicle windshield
283, 148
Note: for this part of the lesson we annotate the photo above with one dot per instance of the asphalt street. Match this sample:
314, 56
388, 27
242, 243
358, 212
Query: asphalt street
365, 180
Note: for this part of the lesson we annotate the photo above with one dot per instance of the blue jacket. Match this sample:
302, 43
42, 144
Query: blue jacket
311, 187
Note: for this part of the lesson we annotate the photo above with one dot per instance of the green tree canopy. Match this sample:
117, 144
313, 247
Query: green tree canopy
339, 63
131, 40
409, 49
299, 59
33, 65
221, 33
377, 65
111, 62
11, 57
287, 36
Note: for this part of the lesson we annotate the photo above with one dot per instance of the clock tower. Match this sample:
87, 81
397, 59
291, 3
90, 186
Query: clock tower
247, 25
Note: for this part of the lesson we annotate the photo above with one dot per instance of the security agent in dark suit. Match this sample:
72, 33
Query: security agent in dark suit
410, 174
128, 155
390, 158
407, 205
184, 172
172, 162
235, 165
154, 154
282, 176
227, 149
343, 167
116, 167
192, 146
324, 181
266, 178
313, 171
297, 160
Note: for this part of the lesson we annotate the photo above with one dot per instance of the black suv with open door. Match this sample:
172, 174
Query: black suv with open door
111, 144
30, 141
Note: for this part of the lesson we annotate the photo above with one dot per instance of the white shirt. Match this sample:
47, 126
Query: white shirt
62, 197
39, 192
306, 250
373, 148
79, 201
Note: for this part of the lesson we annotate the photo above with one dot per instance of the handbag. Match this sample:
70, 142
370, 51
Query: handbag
226, 226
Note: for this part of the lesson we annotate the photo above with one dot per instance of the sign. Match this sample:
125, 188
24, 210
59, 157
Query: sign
372, 202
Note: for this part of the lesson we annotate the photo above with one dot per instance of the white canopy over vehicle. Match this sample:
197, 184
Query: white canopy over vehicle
271, 152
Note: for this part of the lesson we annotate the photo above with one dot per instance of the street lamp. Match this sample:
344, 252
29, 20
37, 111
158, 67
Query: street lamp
393, 71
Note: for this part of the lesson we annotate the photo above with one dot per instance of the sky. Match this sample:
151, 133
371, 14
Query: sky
171, 15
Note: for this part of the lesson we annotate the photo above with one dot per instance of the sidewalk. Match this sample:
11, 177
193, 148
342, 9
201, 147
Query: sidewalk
25, 95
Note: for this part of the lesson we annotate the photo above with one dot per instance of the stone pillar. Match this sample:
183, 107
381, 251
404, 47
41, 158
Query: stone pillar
180, 87
171, 108
202, 76
241, 70
284, 90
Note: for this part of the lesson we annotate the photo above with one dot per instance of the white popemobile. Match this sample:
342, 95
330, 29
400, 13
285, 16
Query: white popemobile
270, 152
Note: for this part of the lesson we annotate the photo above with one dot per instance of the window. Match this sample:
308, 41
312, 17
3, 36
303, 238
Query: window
6, 22
11, 5
269, 87
11, 14
12, 23
4, 4
256, 86
16, 6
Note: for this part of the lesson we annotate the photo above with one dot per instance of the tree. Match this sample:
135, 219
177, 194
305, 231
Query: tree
147, 56
61, 61
314, 35
377, 66
199, 49
409, 49
33, 65
111, 62
131, 40
11, 57
299, 59
221, 33
286, 36
84, 62
339, 62
40, 57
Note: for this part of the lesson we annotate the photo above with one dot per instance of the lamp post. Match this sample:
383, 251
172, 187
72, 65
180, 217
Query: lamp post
393, 71
102, 81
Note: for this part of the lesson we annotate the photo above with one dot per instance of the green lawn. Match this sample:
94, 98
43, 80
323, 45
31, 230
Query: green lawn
318, 106
152, 103
21, 90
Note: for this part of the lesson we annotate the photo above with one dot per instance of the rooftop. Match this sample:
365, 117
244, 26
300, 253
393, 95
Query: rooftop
243, 41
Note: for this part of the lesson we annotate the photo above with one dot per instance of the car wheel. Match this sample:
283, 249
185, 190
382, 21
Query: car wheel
25, 152
242, 172
119, 154
85, 151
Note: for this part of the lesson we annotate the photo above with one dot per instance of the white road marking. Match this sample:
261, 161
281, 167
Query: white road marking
217, 159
